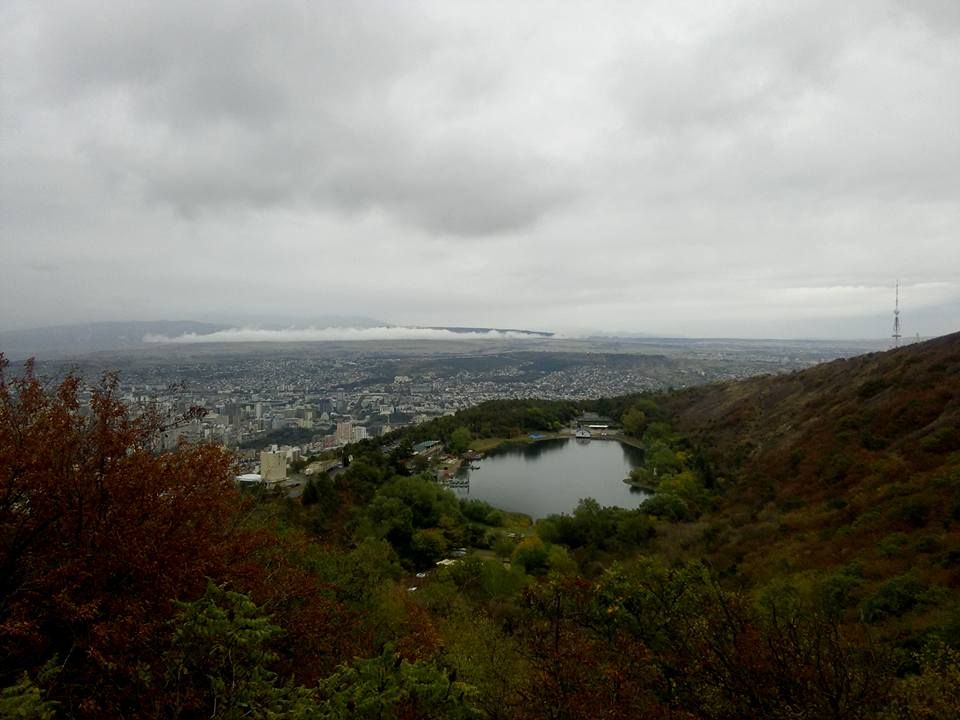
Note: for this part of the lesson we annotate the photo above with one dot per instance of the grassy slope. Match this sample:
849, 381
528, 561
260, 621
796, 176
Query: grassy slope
854, 461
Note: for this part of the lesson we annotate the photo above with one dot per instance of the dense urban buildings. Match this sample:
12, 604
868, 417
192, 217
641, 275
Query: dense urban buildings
314, 398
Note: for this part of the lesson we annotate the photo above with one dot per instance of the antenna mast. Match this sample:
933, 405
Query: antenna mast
896, 319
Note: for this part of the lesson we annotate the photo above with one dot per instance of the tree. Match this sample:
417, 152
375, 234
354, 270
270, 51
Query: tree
481, 511
503, 547
98, 535
220, 662
934, 693
634, 422
311, 496
662, 458
532, 555
24, 701
101, 536
388, 687
580, 665
322, 502
427, 546
489, 658
392, 519
460, 440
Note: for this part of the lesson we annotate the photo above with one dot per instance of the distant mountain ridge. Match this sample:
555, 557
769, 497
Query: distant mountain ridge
85, 338
81, 339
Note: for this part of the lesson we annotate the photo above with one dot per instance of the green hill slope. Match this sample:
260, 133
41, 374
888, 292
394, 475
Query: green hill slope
852, 466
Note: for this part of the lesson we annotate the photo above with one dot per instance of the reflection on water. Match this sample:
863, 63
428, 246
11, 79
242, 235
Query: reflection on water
552, 476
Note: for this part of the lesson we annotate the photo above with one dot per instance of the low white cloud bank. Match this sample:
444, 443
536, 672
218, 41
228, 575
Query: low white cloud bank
335, 334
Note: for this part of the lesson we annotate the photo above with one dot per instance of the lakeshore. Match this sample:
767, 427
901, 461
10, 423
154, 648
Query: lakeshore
485, 445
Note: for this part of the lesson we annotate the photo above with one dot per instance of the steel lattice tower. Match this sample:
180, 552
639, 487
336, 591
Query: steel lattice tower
896, 319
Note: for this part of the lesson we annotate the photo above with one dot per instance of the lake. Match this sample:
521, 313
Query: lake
552, 476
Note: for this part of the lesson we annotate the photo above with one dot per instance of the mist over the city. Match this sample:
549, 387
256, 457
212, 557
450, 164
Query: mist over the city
733, 169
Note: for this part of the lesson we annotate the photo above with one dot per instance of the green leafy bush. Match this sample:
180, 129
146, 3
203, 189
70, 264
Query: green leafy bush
895, 597
668, 507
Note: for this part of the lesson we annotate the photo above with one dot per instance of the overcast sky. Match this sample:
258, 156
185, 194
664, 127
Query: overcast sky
700, 168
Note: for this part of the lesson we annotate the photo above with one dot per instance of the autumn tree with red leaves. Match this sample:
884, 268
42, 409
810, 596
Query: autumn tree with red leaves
101, 536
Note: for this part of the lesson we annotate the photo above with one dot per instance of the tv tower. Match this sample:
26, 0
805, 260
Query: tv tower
896, 319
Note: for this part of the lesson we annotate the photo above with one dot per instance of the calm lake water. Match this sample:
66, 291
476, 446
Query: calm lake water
552, 476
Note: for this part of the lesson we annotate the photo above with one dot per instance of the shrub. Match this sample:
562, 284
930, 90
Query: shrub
481, 512
891, 545
791, 504
942, 440
866, 519
668, 507
870, 441
428, 546
503, 547
895, 597
913, 511
834, 591
870, 388
532, 555
934, 692
929, 544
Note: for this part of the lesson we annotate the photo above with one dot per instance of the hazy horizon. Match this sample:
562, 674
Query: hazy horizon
370, 329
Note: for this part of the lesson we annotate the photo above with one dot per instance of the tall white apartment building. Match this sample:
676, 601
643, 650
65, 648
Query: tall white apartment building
344, 432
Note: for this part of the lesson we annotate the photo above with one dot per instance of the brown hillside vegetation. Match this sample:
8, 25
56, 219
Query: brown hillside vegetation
853, 464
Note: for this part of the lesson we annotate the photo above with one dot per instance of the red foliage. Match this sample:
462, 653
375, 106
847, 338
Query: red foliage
579, 669
321, 632
99, 535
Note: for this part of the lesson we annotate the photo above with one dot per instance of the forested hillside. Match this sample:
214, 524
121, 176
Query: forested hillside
853, 463
800, 558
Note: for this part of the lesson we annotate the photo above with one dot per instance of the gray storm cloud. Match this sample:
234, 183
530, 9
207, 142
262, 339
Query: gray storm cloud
673, 167
230, 105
